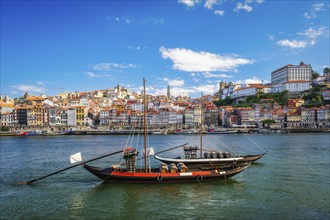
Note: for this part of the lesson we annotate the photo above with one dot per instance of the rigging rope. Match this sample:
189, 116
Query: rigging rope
254, 143
227, 147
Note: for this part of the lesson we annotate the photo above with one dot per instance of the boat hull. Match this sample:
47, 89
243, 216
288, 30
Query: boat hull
252, 158
109, 175
211, 163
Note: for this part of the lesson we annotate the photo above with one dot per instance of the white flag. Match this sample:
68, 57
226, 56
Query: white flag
150, 151
75, 158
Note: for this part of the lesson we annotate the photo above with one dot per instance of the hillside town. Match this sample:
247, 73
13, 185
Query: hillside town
296, 98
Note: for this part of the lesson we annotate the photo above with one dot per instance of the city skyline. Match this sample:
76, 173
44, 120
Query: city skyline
51, 47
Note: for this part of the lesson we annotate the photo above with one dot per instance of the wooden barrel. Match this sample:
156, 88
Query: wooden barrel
173, 168
182, 168
213, 155
163, 168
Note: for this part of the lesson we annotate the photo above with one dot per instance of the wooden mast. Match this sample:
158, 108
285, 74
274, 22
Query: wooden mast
201, 128
145, 125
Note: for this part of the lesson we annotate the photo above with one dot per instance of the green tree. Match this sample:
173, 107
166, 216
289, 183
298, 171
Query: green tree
226, 101
4, 128
315, 74
268, 122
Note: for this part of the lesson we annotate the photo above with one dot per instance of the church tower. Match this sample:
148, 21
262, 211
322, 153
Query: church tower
168, 92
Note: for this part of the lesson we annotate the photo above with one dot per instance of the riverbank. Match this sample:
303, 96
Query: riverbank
181, 132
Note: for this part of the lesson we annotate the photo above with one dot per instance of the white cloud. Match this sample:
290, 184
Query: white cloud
95, 75
175, 91
28, 88
101, 66
123, 66
210, 3
108, 66
313, 13
260, 1
40, 83
212, 75
254, 80
174, 82
92, 75
314, 33
188, 91
201, 61
219, 12
206, 89
246, 7
189, 3
292, 44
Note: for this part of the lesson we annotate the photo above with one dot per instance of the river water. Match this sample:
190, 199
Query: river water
291, 182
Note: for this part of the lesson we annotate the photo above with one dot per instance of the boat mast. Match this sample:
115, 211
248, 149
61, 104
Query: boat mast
201, 128
145, 125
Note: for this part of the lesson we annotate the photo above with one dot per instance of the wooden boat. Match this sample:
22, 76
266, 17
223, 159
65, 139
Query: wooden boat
212, 159
130, 173
208, 163
156, 176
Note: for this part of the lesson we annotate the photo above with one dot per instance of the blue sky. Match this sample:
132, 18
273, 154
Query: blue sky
54, 46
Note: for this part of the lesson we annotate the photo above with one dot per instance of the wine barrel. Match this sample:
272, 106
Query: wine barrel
163, 168
206, 155
182, 168
173, 168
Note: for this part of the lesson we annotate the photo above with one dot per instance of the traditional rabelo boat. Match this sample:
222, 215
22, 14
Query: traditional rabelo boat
210, 158
176, 172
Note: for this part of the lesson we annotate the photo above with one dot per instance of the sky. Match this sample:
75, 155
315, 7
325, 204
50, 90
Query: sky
50, 47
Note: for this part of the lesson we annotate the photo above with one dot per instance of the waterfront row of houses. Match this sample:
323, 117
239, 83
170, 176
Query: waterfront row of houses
287, 117
128, 113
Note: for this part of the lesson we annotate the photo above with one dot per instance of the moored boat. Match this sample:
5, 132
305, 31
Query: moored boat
208, 162
156, 176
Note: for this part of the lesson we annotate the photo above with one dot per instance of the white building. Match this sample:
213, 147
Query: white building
292, 73
104, 116
251, 90
297, 85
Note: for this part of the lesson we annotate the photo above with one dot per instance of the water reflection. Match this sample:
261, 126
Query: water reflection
130, 201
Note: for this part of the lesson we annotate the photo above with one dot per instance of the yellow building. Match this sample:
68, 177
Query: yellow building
36, 115
81, 114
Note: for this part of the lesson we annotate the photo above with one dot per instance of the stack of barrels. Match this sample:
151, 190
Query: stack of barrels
172, 168
217, 155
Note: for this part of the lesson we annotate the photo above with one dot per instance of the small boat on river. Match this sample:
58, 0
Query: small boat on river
176, 173
210, 160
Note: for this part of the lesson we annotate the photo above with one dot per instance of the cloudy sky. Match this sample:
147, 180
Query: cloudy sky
54, 46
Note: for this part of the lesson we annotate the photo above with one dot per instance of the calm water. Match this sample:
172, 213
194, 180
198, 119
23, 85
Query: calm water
291, 182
